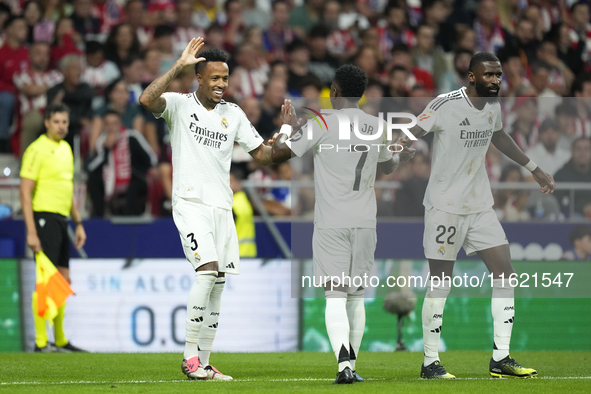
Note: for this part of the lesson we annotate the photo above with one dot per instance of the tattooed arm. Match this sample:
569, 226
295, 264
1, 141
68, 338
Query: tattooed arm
151, 98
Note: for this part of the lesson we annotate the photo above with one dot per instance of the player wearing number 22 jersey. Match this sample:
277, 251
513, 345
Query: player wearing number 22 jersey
203, 129
458, 208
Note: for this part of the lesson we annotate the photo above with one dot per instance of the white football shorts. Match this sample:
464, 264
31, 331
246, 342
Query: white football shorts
343, 251
445, 233
207, 234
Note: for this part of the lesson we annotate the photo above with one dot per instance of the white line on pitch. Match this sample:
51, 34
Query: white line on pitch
255, 380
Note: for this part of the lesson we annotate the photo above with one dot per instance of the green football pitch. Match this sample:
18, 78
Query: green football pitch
559, 372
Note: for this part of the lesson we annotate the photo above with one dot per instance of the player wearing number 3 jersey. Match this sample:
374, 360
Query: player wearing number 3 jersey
203, 129
458, 207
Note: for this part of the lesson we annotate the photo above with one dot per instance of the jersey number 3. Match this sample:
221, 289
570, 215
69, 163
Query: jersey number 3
451, 230
193, 241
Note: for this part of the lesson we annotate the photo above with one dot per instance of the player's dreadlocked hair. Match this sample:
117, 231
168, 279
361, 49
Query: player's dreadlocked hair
480, 58
351, 80
210, 55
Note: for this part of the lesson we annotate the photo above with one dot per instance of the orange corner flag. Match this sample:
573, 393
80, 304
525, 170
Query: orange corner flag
52, 288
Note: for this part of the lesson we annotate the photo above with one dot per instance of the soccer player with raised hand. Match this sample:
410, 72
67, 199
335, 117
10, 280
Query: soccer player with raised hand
458, 208
203, 129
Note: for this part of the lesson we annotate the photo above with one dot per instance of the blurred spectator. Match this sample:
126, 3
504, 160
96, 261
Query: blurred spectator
490, 36
580, 238
98, 72
582, 94
523, 122
311, 88
184, 29
509, 11
117, 173
409, 197
371, 9
351, 19
540, 78
341, 42
87, 25
243, 215
458, 77
401, 56
132, 73
5, 13
397, 82
426, 56
109, 12
33, 83
578, 169
370, 38
278, 201
435, 13
580, 32
571, 126
54, 10
273, 97
122, 44
279, 34
233, 24
252, 70
214, 37
305, 16
511, 205
252, 110
151, 59
65, 41
135, 15
368, 60
465, 39
279, 70
322, 64
40, 29
514, 81
570, 53
163, 42
298, 62
76, 94
524, 41
117, 100
255, 16
206, 13
547, 150
395, 29
14, 57
561, 77
534, 14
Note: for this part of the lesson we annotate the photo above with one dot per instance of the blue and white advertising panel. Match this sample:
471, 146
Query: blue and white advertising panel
140, 306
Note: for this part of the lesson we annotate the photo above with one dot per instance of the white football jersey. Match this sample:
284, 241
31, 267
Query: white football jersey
202, 143
459, 182
344, 175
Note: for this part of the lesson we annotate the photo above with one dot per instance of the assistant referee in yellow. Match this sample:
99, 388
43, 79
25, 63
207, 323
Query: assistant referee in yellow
47, 192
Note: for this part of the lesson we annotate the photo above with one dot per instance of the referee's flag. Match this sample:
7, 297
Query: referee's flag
52, 288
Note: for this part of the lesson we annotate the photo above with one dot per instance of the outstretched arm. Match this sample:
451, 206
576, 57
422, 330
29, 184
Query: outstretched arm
509, 148
281, 151
151, 98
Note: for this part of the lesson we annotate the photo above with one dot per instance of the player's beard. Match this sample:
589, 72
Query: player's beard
485, 93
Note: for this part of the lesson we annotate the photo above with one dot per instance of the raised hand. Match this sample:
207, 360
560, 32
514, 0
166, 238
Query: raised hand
189, 55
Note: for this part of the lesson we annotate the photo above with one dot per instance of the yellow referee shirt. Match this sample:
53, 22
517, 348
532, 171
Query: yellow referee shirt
51, 165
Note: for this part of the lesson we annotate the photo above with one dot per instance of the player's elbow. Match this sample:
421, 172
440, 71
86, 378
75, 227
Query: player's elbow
144, 101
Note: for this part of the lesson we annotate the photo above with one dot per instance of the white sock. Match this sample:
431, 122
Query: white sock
432, 320
210, 322
196, 306
356, 316
502, 306
337, 326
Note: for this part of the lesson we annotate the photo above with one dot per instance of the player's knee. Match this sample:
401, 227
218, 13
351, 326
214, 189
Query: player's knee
356, 293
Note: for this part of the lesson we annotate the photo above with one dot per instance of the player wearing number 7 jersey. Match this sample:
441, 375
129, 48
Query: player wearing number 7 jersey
344, 237
203, 129
458, 207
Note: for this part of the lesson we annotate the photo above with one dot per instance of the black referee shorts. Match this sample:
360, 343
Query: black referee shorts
52, 229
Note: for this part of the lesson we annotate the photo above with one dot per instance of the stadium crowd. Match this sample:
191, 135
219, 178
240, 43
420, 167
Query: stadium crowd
98, 56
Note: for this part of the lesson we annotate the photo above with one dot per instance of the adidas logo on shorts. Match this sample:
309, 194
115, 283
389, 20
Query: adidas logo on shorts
231, 265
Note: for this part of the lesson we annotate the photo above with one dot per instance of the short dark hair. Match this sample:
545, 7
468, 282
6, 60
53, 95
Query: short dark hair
319, 31
400, 47
55, 108
567, 109
163, 31
351, 80
480, 58
310, 80
11, 19
129, 61
397, 68
210, 55
538, 65
579, 232
112, 112
296, 45
578, 3
548, 124
579, 139
110, 87
579, 83
93, 47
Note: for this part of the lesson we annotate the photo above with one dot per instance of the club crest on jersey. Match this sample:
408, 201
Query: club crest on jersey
441, 250
197, 257
489, 117
224, 123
